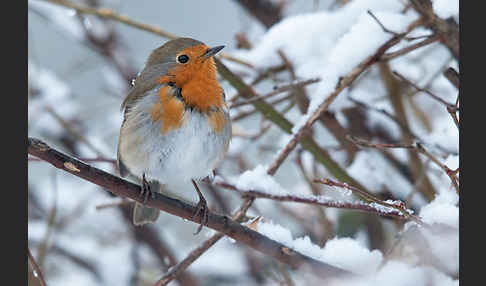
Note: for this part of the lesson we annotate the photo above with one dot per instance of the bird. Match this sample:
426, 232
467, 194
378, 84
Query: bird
176, 126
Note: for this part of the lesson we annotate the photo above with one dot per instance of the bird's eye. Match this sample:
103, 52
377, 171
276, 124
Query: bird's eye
182, 59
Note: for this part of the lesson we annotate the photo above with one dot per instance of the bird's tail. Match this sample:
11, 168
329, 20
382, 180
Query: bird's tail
142, 214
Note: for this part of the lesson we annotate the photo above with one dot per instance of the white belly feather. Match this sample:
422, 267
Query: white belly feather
189, 152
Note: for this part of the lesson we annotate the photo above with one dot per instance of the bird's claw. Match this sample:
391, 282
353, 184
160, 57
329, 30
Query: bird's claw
203, 213
146, 191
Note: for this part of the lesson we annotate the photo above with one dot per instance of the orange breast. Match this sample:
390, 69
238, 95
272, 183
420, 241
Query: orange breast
217, 120
169, 110
197, 79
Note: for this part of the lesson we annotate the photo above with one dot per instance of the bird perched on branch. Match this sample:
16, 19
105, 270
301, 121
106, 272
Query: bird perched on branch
176, 125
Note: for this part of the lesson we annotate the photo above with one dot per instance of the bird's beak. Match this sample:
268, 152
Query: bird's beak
212, 51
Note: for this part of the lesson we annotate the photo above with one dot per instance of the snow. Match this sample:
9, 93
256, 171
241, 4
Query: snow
258, 179
443, 209
327, 43
446, 8
349, 254
334, 53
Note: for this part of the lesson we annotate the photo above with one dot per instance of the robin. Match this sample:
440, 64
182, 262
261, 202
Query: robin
176, 125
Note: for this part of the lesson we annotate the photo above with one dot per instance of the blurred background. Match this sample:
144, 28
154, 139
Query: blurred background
80, 68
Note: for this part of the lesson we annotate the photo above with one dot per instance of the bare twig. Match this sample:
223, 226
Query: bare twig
450, 173
403, 126
453, 76
448, 105
109, 14
265, 11
270, 113
397, 205
113, 204
35, 268
327, 224
219, 223
417, 147
276, 91
451, 108
395, 34
448, 29
342, 84
406, 50
361, 142
73, 131
327, 119
196, 253
389, 211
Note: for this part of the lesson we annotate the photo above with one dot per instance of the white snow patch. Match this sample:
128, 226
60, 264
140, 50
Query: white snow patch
258, 179
345, 253
446, 8
442, 209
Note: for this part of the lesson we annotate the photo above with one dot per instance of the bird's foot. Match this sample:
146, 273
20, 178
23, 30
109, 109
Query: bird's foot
201, 210
146, 191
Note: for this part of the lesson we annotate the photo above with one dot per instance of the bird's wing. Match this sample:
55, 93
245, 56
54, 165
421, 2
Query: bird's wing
121, 166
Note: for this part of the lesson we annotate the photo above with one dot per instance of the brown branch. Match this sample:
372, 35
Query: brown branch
87, 160
276, 91
307, 142
390, 211
404, 127
417, 147
327, 119
69, 127
412, 26
300, 92
246, 91
448, 105
150, 236
196, 253
451, 108
362, 142
450, 173
406, 50
264, 11
109, 14
268, 73
176, 207
37, 273
453, 76
326, 223
448, 29
343, 83
397, 205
